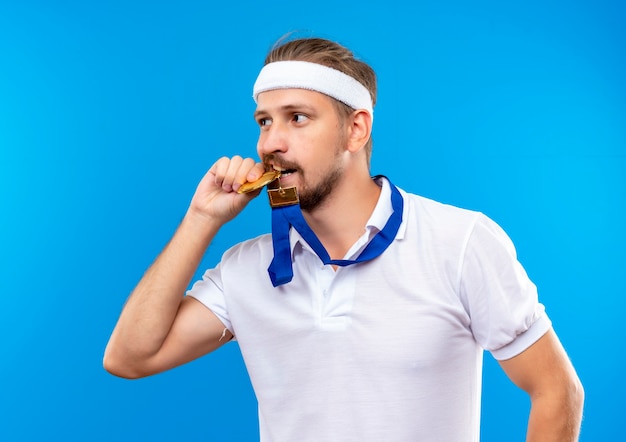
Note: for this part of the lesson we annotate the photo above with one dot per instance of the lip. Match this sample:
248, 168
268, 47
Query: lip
273, 163
286, 180
270, 167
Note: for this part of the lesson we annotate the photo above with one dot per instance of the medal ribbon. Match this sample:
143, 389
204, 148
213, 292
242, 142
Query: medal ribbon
281, 267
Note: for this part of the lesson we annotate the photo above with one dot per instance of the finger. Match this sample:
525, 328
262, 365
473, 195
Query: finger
219, 169
248, 168
231, 173
256, 172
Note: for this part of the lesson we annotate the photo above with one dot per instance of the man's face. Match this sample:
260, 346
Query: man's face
301, 134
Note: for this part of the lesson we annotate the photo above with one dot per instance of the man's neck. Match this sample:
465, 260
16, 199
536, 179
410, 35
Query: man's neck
341, 219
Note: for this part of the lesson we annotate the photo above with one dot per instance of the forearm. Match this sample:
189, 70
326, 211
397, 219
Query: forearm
152, 307
545, 372
556, 418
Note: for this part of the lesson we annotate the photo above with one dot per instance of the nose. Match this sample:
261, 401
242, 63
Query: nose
272, 139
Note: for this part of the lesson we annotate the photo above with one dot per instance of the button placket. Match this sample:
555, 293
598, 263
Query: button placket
325, 279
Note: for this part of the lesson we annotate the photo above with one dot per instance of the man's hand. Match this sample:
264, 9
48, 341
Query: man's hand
216, 196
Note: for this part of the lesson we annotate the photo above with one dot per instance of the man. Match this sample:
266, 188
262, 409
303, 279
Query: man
363, 317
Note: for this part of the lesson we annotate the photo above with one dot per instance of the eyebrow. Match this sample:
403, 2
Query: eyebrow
288, 108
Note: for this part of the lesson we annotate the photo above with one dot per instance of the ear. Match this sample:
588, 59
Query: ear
360, 130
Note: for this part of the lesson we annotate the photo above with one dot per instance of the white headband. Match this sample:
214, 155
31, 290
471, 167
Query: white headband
315, 77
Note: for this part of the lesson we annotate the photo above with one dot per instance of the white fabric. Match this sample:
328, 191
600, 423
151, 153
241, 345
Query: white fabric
315, 77
387, 350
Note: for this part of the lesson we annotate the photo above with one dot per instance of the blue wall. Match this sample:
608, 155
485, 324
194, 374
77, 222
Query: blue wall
110, 112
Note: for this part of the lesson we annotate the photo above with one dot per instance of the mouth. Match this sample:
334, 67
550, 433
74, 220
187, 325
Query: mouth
278, 164
283, 171
286, 172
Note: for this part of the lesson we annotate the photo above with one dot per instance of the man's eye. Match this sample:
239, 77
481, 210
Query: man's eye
265, 122
299, 118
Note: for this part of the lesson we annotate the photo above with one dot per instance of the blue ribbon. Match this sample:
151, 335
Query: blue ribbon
281, 267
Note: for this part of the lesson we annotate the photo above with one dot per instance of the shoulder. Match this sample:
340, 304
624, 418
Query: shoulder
429, 207
438, 218
446, 225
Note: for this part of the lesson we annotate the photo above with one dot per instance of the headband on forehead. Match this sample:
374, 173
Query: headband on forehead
315, 77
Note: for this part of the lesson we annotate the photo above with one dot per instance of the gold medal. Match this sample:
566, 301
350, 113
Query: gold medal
278, 195
282, 196
265, 179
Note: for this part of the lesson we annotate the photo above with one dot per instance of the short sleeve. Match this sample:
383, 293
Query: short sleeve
505, 314
209, 291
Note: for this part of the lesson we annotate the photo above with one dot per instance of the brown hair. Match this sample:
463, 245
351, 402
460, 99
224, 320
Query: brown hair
333, 55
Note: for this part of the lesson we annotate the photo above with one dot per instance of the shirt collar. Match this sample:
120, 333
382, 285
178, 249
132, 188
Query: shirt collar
375, 223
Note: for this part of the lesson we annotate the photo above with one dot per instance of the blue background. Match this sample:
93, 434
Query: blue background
110, 113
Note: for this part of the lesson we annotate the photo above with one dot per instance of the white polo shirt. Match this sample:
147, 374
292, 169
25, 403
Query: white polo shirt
386, 350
